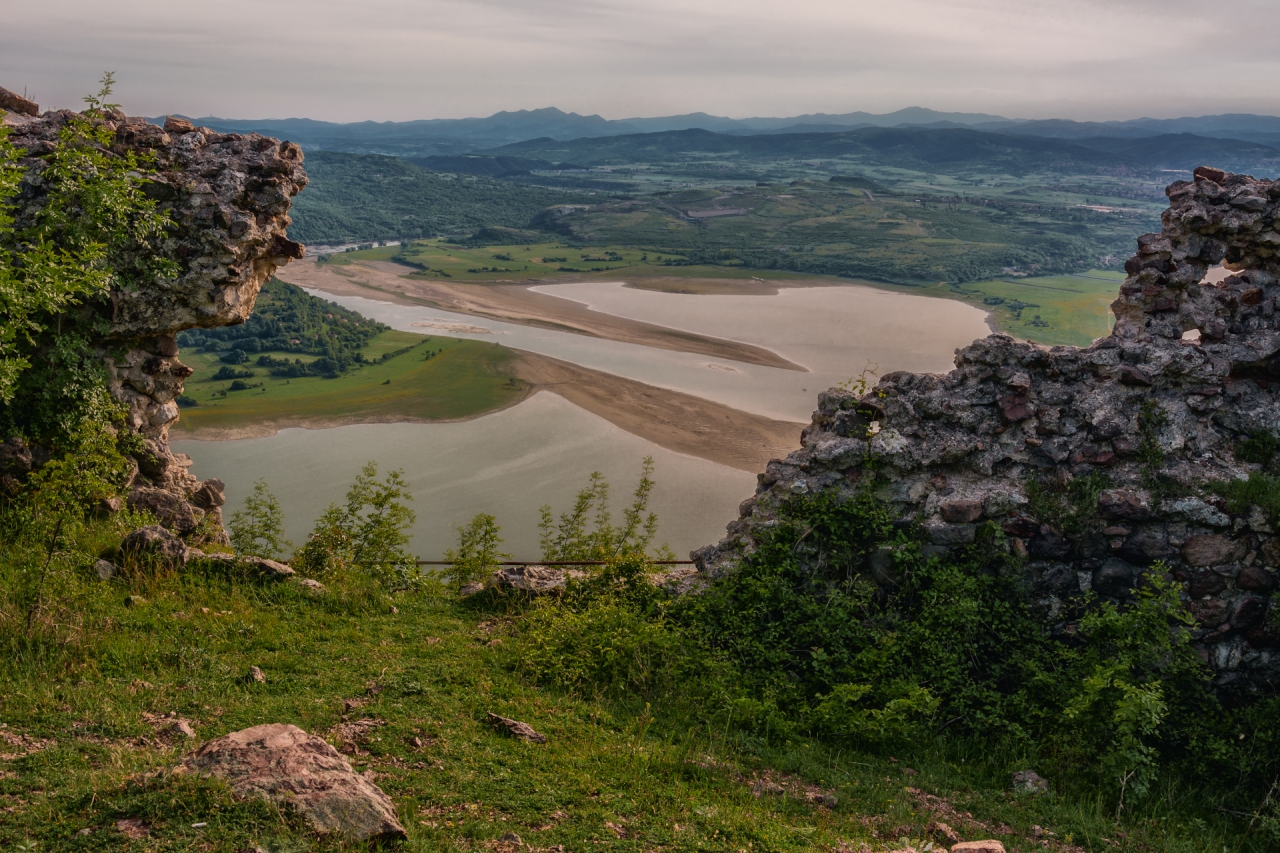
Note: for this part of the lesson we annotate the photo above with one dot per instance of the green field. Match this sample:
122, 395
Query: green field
85, 700
461, 379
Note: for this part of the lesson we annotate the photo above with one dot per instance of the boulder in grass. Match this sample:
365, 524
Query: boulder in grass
515, 728
155, 544
285, 764
1029, 782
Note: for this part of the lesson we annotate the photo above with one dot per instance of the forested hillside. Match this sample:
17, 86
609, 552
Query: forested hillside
355, 197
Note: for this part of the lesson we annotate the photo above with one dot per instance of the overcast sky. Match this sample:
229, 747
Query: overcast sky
407, 59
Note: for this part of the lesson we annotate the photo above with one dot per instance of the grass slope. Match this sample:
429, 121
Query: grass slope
80, 753
462, 379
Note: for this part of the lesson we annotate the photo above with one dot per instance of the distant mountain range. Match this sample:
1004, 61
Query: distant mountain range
1234, 141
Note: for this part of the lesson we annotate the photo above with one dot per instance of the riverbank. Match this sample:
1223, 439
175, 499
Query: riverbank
514, 303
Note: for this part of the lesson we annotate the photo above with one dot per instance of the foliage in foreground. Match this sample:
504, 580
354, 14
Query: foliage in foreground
797, 641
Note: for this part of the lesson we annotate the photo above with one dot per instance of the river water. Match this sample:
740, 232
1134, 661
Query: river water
542, 450
508, 464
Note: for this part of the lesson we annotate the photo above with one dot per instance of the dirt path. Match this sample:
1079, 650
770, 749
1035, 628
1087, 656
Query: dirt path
515, 303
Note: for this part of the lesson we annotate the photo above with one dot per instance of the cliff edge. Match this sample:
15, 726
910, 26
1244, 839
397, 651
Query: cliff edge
228, 197
1133, 439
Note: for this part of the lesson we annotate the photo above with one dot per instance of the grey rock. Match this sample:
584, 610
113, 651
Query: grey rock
1011, 412
517, 729
228, 196
154, 544
534, 580
1029, 782
104, 570
1114, 579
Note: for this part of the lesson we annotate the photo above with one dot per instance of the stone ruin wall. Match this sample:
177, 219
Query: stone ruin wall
957, 450
228, 195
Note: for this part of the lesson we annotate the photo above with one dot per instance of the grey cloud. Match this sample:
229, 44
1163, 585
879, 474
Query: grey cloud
403, 59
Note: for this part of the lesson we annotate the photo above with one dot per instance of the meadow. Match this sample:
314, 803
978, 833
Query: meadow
425, 378
402, 685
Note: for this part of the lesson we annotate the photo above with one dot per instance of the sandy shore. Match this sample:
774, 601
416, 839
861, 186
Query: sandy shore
679, 422
516, 303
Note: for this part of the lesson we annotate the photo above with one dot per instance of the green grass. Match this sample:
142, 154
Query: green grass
463, 379
667, 777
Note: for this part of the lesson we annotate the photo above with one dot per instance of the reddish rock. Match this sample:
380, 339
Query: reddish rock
285, 764
1209, 549
961, 511
1255, 579
1123, 503
1016, 407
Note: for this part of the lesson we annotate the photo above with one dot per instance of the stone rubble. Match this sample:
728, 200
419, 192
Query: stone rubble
228, 195
1190, 370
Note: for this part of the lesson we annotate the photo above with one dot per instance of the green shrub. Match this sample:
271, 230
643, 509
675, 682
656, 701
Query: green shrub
366, 534
258, 529
587, 532
477, 554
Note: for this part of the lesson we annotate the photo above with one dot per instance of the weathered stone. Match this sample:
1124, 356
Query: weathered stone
1211, 612
534, 580
1123, 503
951, 534
1029, 782
13, 102
1205, 583
300, 771
1142, 403
210, 494
104, 570
1210, 549
155, 544
990, 846
1114, 578
515, 728
469, 589
1249, 612
169, 509
961, 511
1255, 579
228, 196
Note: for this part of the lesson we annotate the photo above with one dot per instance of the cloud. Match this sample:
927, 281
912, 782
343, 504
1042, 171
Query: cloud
403, 59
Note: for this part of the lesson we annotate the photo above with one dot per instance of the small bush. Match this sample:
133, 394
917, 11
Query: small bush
366, 534
258, 529
477, 554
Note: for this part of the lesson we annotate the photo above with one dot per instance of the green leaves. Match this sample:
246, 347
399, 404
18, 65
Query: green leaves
258, 529
477, 554
92, 229
366, 534
587, 532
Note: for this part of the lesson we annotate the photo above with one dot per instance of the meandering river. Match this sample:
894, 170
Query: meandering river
541, 451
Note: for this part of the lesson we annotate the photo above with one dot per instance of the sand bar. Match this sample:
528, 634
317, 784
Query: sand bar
515, 303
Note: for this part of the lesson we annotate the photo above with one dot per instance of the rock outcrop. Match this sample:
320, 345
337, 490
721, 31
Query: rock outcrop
1153, 414
228, 196
295, 769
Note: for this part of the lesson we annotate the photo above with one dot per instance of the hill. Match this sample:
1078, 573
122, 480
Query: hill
355, 197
